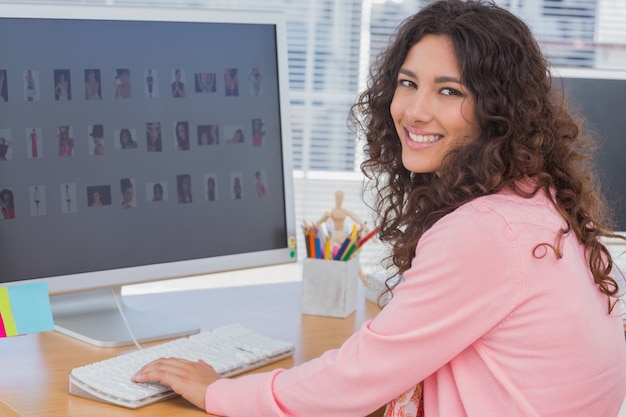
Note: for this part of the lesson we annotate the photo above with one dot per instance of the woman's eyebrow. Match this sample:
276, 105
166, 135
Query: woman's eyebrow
447, 79
407, 72
440, 79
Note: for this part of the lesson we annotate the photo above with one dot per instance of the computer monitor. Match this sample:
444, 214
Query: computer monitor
140, 144
599, 96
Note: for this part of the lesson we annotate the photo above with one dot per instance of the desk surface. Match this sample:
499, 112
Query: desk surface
34, 368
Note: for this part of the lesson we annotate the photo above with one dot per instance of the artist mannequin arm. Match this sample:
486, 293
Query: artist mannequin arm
357, 220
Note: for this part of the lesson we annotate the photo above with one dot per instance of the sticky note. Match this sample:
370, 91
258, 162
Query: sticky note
3, 332
25, 309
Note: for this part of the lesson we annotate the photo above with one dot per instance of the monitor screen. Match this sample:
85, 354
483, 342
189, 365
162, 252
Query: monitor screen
599, 95
139, 144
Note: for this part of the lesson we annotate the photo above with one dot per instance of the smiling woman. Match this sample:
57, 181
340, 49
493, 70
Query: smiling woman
431, 109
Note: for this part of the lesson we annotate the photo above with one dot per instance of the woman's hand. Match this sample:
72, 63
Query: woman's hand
189, 379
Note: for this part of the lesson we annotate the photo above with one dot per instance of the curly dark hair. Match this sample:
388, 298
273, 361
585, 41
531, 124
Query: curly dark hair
525, 129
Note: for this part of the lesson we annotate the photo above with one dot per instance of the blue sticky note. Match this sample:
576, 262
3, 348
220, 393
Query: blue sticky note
30, 304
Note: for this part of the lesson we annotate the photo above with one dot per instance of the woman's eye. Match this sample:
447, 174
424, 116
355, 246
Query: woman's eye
406, 83
450, 92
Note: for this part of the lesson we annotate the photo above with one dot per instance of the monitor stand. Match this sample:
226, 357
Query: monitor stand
94, 317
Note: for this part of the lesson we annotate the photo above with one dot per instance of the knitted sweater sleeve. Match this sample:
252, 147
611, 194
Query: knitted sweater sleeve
466, 266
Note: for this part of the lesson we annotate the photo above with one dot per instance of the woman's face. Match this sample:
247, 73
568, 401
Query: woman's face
158, 193
154, 130
431, 110
257, 125
64, 132
180, 131
128, 195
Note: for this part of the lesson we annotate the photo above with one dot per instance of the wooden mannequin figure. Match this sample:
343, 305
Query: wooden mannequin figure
338, 216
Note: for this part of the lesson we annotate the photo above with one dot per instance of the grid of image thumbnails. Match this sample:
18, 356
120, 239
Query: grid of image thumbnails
100, 139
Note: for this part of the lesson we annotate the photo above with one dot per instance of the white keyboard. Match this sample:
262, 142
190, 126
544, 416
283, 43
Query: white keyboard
231, 350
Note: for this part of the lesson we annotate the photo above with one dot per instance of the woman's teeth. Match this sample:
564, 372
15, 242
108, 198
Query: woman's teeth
424, 138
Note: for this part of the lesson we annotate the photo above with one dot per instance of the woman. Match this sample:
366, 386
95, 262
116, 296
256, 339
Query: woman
122, 84
157, 192
4, 148
36, 200
96, 199
506, 306
184, 189
178, 86
237, 189
62, 88
213, 134
210, 189
68, 199
256, 81
128, 193
258, 133
153, 136
97, 134
92, 85
237, 137
150, 83
182, 136
66, 143
203, 136
231, 82
126, 139
208, 135
98, 146
34, 146
6, 204
31, 90
260, 186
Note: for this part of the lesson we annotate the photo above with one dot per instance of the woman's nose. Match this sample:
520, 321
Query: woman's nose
420, 107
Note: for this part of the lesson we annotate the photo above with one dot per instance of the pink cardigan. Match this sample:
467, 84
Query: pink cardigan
491, 329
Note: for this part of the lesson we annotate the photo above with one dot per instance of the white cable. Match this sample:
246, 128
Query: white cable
121, 310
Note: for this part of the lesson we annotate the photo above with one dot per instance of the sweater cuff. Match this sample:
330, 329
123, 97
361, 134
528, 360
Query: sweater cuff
243, 396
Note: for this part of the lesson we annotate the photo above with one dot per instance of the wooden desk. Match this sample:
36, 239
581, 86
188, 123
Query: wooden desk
34, 368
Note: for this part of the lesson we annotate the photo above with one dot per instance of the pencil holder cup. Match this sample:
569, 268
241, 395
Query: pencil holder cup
329, 288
